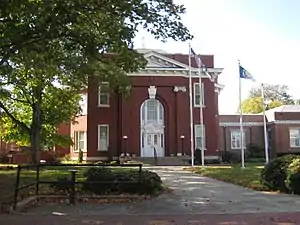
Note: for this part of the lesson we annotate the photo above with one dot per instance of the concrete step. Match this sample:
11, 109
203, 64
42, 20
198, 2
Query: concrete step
162, 161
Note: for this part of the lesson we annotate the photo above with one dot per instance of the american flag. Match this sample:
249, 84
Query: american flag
199, 62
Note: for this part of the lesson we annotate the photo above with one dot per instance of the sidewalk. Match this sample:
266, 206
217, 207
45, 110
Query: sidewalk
242, 219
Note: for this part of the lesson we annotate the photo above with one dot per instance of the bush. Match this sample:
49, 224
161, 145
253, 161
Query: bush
255, 151
231, 157
64, 184
80, 156
120, 181
280, 154
293, 176
274, 173
198, 159
255, 160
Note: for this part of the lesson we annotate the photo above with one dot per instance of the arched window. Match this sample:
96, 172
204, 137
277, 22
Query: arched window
152, 111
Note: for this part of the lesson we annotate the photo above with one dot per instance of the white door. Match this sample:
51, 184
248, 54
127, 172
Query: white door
153, 142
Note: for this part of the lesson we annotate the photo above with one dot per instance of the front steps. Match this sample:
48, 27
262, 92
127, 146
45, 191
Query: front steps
162, 161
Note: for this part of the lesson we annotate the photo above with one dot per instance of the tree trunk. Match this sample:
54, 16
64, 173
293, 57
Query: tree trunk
35, 134
35, 146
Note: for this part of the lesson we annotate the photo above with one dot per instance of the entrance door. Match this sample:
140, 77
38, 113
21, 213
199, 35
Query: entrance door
153, 142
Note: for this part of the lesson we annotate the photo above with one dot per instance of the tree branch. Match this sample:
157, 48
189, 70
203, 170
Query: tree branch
14, 119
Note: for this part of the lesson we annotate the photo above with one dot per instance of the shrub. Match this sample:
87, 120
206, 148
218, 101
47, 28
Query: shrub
198, 159
231, 157
226, 156
66, 158
274, 173
255, 151
80, 156
120, 180
255, 160
280, 154
64, 184
293, 176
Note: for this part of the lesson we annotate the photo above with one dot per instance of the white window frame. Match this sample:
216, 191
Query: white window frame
198, 134
76, 141
107, 95
202, 104
234, 133
107, 137
294, 138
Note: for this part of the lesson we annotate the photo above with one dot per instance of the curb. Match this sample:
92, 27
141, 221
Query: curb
27, 201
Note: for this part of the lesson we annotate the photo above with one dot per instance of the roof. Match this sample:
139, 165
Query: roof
208, 60
270, 114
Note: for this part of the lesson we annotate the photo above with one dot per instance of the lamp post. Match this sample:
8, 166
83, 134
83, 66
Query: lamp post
125, 140
182, 138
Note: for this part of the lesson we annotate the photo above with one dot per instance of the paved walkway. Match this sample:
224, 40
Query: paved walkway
194, 198
241, 219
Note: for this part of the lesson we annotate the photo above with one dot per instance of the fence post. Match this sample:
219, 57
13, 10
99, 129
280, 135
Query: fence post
73, 181
37, 179
17, 187
140, 173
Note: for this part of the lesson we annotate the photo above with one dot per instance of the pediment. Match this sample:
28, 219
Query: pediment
156, 60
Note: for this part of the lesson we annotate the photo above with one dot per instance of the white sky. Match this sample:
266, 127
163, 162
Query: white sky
230, 32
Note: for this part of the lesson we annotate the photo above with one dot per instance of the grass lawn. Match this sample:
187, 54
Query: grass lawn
8, 179
248, 177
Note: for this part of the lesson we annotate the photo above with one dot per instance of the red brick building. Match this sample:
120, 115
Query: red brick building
112, 124
283, 127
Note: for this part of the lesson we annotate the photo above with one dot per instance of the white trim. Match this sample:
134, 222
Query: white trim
173, 72
291, 122
237, 124
219, 86
165, 58
202, 95
233, 124
107, 94
107, 138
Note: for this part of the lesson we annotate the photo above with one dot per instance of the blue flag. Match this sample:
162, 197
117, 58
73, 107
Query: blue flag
245, 74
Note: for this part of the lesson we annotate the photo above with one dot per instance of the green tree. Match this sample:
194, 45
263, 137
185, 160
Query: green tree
49, 49
254, 105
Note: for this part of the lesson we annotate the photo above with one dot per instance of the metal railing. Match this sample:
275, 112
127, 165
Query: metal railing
72, 182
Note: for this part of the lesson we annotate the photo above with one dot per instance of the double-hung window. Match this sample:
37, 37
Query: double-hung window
103, 95
236, 140
199, 136
198, 95
103, 137
79, 141
295, 138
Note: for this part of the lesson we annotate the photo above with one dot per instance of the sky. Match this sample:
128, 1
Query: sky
263, 34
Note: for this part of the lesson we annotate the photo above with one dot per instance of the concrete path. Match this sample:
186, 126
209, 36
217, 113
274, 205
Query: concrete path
200, 219
192, 194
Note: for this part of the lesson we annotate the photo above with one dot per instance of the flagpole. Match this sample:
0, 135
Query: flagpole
265, 125
191, 108
201, 114
241, 120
